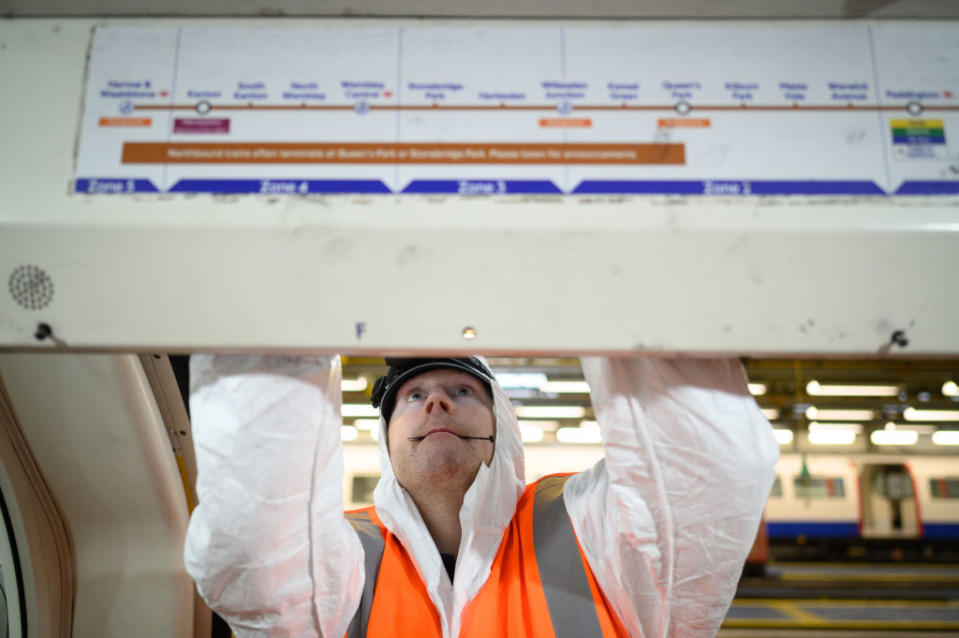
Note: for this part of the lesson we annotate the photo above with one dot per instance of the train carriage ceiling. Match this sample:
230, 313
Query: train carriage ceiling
493, 8
782, 386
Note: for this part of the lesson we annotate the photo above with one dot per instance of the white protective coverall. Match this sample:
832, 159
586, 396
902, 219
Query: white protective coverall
665, 520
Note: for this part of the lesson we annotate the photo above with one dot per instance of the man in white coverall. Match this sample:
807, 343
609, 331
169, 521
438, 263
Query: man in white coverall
648, 542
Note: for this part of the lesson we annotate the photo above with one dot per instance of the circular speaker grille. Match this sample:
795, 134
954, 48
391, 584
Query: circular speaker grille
31, 287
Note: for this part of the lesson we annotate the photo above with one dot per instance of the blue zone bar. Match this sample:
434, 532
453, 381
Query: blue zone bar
123, 185
113, 185
930, 187
482, 187
727, 187
280, 186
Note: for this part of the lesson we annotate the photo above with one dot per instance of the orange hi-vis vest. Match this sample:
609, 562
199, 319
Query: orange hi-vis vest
539, 586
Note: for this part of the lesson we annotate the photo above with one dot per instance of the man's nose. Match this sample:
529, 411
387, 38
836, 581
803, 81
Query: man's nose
438, 400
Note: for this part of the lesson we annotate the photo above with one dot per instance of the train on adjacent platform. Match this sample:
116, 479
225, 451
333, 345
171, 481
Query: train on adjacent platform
821, 506
888, 506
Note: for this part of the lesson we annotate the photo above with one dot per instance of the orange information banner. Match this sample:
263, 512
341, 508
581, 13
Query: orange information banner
398, 153
682, 122
565, 122
125, 121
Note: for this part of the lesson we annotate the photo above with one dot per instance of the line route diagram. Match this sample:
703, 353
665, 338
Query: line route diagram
496, 108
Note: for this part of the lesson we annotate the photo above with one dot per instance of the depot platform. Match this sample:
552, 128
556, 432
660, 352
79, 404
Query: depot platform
847, 600
844, 614
868, 581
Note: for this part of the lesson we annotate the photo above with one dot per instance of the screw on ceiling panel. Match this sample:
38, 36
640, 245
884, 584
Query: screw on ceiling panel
43, 331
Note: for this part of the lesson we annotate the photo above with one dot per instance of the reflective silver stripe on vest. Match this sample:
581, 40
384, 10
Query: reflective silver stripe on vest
562, 571
372, 540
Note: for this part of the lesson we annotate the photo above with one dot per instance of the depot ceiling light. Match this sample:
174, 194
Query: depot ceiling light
579, 435
771, 414
894, 437
921, 429
368, 425
950, 389
539, 423
946, 437
912, 414
816, 426
348, 433
531, 433
354, 385
521, 380
832, 437
757, 389
363, 410
813, 413
565, 387
816, 389
783, 436
550, 412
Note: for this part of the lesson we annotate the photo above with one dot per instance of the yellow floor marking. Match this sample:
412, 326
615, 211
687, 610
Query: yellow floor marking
795, 612
928, 625
801, 618
950, 566
772, 602
863, 576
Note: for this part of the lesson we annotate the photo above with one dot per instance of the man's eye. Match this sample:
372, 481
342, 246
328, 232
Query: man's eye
416, 395
464, 391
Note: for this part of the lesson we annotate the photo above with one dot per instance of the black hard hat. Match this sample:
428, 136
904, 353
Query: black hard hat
403, 368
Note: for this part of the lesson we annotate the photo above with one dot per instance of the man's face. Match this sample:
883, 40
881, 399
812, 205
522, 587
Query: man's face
438, 405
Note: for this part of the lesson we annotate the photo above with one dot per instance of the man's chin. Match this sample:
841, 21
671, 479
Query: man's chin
443, 464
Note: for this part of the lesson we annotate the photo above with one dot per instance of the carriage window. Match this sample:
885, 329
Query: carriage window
777, 490
363, 486
944, 487
892, 484
819, 487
